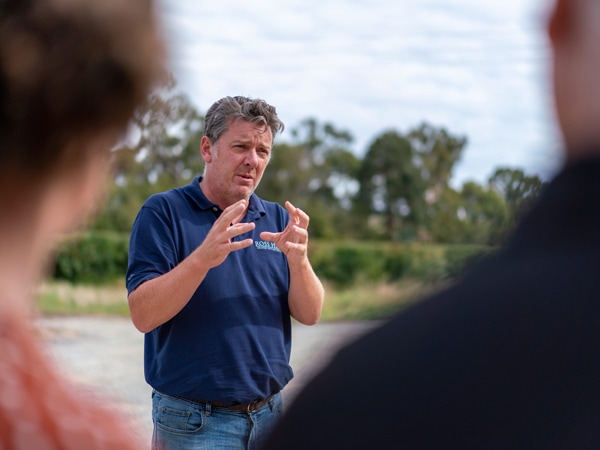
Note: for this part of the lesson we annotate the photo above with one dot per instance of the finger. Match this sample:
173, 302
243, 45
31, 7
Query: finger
268, 236
298, 247
238, 245
293, 211
297, 234
300, 232
239, 229
297, 216
290, 208
303, 218
234, 213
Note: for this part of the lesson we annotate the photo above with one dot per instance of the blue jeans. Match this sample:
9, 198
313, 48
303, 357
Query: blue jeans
185, 424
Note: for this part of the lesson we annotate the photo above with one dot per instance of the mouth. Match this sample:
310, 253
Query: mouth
246, 178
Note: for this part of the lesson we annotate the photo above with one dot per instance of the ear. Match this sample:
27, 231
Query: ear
561, 20
206, 149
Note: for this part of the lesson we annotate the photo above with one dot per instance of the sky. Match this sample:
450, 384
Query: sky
479, 69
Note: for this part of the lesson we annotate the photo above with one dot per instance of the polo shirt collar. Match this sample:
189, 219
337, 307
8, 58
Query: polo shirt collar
256, 208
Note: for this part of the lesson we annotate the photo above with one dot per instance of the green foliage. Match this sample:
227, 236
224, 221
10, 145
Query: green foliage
343, 264
445, 224
460, 257
315, 172
436, 152
340, 266
403, 179
397, 191
396, 262
92, 257
388, 218
162, 152
100, 257
518, 191
427, 262
484, 214
391, 185
347, 264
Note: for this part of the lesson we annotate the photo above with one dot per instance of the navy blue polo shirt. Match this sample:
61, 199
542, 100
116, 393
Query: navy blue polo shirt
231, 343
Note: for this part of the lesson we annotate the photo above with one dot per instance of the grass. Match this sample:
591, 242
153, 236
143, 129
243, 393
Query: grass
62, 298
365, 301
372, 301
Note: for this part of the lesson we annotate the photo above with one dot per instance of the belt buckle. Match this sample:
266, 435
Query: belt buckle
251, 407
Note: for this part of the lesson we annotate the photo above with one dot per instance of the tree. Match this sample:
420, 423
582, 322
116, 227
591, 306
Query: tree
288, 175
165, 131
333, 165
316, 172
160, 152
518, 189
405, 177
391, 185
485, 214
436, 152
445, 225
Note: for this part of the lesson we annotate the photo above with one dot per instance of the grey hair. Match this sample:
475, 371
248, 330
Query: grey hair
224, 111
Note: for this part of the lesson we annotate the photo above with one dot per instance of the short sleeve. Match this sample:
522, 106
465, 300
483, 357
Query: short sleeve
152, 250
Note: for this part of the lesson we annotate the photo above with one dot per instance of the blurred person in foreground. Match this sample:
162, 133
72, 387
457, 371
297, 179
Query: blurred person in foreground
508, 358
215, 273
71, 74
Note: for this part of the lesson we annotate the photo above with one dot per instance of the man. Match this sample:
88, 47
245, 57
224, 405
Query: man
214, 274
508, 358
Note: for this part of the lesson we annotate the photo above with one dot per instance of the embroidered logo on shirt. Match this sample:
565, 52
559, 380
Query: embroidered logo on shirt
263, 245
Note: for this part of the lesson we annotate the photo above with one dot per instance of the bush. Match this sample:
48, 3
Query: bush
100, 257
345, 264
426, 262
396, 263
348, 263
460, 257
92, 258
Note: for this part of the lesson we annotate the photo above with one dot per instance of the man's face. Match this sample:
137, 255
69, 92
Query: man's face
236, 161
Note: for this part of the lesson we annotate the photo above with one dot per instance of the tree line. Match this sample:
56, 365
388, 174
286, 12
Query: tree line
398, 191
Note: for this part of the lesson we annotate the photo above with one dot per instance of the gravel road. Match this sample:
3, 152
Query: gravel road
105, 355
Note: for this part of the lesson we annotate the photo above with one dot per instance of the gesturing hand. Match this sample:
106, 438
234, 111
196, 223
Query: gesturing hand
293, 241
218, 244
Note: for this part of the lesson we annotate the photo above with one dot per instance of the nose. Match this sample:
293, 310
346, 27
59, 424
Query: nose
252, 158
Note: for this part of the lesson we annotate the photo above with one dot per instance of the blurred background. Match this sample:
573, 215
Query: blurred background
416, 133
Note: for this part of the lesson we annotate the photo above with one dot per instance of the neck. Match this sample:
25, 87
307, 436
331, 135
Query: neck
214, 196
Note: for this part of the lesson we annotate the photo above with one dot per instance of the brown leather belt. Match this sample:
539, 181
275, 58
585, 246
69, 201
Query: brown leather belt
248, 407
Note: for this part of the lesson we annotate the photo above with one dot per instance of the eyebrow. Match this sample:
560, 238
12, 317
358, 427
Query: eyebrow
249, 141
